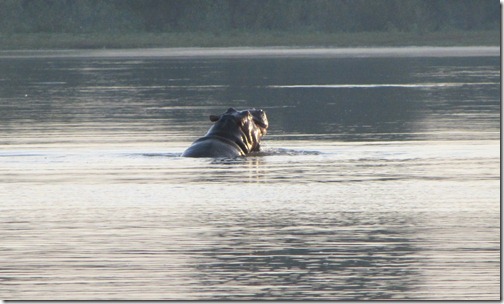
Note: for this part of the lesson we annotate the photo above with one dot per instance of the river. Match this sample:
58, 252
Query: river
379, 176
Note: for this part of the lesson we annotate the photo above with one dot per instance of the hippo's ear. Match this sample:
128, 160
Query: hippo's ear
214, 118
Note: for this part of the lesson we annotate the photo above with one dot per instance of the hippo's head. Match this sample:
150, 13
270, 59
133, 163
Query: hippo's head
245, 128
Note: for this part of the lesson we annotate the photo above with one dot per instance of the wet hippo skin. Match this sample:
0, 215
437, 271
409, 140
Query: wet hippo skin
234, 133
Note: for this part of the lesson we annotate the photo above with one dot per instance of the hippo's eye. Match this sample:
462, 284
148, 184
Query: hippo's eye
244, 114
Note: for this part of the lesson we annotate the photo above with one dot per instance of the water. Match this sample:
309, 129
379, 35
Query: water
379, 177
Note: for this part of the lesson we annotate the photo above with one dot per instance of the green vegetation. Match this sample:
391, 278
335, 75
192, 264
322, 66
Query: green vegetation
52, 24
149, 40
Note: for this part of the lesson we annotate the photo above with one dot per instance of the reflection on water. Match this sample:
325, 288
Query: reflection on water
344, 254
379, 177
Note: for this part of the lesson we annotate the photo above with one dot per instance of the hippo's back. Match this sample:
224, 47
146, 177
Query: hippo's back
210, 147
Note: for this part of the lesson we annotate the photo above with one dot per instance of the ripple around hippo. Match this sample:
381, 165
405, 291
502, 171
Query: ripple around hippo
283, 152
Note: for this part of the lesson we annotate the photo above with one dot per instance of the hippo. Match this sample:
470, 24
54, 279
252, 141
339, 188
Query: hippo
235, 133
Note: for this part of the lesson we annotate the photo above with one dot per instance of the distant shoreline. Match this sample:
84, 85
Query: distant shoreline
54, 41
261, 52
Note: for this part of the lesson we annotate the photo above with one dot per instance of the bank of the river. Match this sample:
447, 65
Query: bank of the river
232, 39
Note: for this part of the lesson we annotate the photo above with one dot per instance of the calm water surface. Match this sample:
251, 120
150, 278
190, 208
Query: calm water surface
379, 177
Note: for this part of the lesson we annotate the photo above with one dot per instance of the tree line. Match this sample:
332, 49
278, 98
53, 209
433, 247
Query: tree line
88, 16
